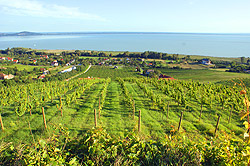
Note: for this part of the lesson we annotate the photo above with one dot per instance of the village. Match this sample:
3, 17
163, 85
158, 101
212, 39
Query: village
143, 66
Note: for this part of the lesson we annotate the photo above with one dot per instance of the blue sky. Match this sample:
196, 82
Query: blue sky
207, 16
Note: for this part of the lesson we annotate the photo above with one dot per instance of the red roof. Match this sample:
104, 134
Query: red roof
166, 77
41, 76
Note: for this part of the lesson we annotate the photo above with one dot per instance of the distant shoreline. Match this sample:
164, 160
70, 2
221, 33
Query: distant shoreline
27, 33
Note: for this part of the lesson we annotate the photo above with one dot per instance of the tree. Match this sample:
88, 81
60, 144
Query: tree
242, 59
248, 61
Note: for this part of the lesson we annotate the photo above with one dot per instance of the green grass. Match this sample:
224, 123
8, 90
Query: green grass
21, 67
109, 71
203, 75
89, 57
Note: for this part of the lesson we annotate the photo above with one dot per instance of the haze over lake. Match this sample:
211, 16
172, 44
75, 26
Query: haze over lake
218, 45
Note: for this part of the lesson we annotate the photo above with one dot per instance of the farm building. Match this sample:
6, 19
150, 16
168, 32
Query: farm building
5, 76
41, 76
166, 77
9, 59
54, 63
42, 69
46, 72
206, 62
68, 70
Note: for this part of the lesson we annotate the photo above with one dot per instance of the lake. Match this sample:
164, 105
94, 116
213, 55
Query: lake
218, 45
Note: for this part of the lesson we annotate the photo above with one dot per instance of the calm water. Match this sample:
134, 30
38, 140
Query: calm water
219, 45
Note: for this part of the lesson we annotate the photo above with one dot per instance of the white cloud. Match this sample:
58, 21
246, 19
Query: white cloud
38, 9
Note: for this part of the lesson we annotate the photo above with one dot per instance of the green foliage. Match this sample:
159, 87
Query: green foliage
97, 147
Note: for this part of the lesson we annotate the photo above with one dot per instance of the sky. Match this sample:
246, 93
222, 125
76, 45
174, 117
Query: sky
194, 16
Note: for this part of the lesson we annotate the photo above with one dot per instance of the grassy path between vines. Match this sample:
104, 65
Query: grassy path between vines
116, 117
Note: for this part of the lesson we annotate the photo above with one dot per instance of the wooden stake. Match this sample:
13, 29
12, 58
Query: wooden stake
44, 119
95, 117
1, 123
216, 128
180, 121
229, 119
139, 122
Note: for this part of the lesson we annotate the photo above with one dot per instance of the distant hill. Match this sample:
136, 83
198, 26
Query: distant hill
23, 33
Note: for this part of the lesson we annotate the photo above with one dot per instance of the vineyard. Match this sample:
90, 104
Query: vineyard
151, 108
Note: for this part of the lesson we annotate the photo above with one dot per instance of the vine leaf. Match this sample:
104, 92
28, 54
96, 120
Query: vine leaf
246, 124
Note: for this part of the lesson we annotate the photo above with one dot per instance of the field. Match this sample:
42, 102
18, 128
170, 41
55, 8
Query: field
109, 71
203, 75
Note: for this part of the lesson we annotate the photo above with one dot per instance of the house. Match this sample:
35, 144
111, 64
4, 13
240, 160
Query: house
2, 58
150, 64
41, 76
67, 64
115, 67
42, 69
150, 71
9, 59
68, 70
5, 76
142, 60
166, 77
54, 63
15, 61
46, 72
71, 61
34, 61
10, 76
206, 62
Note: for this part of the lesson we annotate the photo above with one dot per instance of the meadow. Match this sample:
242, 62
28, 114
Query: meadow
203, 75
